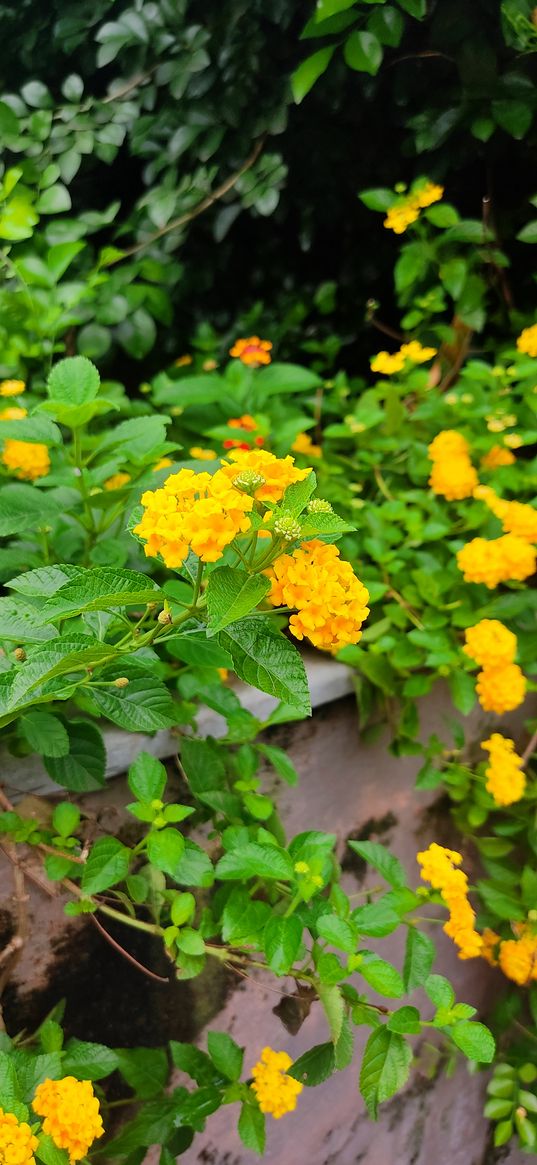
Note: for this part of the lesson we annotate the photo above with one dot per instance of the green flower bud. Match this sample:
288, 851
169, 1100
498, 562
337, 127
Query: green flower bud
319, 506
248, 481
286, 526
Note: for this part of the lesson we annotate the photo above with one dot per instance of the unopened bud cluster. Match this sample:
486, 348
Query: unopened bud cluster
319, 506
286, 526
249, 481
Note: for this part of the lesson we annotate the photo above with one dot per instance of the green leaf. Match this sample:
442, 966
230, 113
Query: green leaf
9, 1088
267, 661
20, 622
73, 381
282, 378
97, 590
48, 1152
501, 903
195, 867
190, 941
106, 865
54, 200
280, 761
203, 765
382, 976
416, 8
146, 1070
146, 778
377, 199
333, 1007
315, 1066
462, 690
88, 1061
282, 941
385, 1067
381, 859
165, 848
406, 1021
298, 494
144, 705
326, 8
439, 990
44, 581
254, 860
231, 594
376, 919
515, 117
82, 770
44, 733
225, 1054
337, 932
23, 507
195, 1063
309, 71
139, 435
387, 24
528, 234
474, 1039
419, 958
251, 1128
35, 430
363, 52
65, 818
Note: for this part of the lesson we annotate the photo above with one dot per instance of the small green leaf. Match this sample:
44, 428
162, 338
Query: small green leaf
315, 1066
225, 1054
147, 778
44, 733
82, 770
385, 1067
419, 958
88, 1061
106, 865
251, 1128
363, 52
282, 940
381, 859
474, 1039
382, 976
255, 861
304, 78
165, 848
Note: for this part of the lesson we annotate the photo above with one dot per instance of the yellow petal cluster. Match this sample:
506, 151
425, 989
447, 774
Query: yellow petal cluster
17, 1142
162, 463
389, 362
275, 1091
331, 603
505, 779
71, 1114
526, 342
492, 561
490, 644
201, 512
252, 350
117, 480
12, 413
416, 352
12, 387
453, 475
277, 472
304, 444
406, 210
517, 958
497, 456
439, 868
26, 460
201, 454
501, 689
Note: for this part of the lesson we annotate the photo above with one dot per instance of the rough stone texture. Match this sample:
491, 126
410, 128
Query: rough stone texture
348, 788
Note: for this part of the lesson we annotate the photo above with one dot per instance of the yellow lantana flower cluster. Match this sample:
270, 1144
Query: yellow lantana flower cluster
438, 867
506, 781
17, 1142
497, 457
516, 957
330, 601
490, 644
117, 481
501, 689
453, 475
13, 413
26, 460
492, 561
277, 472
71, 1114
501, 685
201, 454
406, 210
526, 342
389, 362
275, 1091
304, 444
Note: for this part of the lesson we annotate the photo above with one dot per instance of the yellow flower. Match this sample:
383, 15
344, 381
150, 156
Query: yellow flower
400, 216
490, 946
183, 361
506, 781
13, 414
304, 444
517, 518
428, 194
496, 457
498, 560
526, 342
275, 1091
449, 443
12, 387
517, 959
512, 440
71, 1112
193, 511
490, 644
200, 454
117, 481
454, 479
17, 1142
252, 351
331, 603
387, 363
209, 365
415, 352
26, 460
439, 868
277, 472
163, 463
500, 689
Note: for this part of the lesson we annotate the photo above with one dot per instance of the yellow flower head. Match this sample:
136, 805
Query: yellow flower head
453, 479
13, 414
193, 511
183, 361
428, 194
163, 463
416, 353
512, 440
331, 603
117, 481
71, 1114
490, 644
246, 422
17, 1142
490, 946
496, 457
400, 216
12, 387
526, 342
252, 351
304, 444
505, 779
275, 1091
497, 560
518, 518
277, 472
500, 689
517, 959
200, 454
26, 460
447, 444
387, 363
439, 868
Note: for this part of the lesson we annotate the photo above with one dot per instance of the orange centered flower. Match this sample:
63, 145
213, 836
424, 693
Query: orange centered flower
252, 351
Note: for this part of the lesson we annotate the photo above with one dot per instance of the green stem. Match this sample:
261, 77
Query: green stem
293, 905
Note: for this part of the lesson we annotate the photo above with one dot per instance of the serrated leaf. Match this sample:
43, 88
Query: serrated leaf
315, 1066
474, 1039
73, 381
82, 770
44, 581
419, 958
333, 1007
98, 589
282, 940
44, 733
147, 777
382, 976
23, 507
385, 1067
145, 1070
225, 1054
381, 859
21, 622
165, 848
254, 860
337, 932
144, 705
107, 864
35, 430
280, 761
232, 594
88, 1061
406, 1021
251, 1128
267, 661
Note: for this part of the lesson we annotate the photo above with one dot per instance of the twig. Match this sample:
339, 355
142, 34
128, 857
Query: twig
199, 209
47, 887
134, 83
529, 749
126, 954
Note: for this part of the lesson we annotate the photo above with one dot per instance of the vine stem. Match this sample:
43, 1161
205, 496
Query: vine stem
529, 749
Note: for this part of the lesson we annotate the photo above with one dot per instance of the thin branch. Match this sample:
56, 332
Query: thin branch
206, 202
134, 83
529, 750
126, 954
